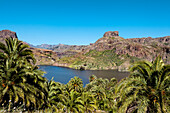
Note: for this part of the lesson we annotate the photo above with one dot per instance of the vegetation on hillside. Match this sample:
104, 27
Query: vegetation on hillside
99, 60
23, 88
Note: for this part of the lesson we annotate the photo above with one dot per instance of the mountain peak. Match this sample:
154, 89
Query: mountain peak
111, 34
7, 34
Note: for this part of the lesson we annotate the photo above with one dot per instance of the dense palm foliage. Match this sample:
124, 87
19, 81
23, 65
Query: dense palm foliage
21, 83
23, 88
75, 84
147, 89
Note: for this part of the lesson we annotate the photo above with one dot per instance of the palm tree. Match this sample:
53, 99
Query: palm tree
102, 90
16, 71
75, 84
95, 82
55, 89
147, 89
14, 50
34, 78
92, 77
72, 103
88, 101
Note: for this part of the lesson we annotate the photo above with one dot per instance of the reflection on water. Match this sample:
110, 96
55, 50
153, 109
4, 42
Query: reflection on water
63, 75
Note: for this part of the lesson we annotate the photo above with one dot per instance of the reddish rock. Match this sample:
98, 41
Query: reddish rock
111, 34
143, 48
7, 34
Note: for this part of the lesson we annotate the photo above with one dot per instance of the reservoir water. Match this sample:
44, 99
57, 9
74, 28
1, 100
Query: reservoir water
63, 75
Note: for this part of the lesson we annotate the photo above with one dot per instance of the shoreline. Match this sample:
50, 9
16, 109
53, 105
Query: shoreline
84, 69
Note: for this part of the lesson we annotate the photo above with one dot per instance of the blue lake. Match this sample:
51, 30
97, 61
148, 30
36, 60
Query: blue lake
63, 75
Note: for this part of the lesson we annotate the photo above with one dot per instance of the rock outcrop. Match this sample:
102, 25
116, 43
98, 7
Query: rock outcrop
161, 41
6, 34
111, 34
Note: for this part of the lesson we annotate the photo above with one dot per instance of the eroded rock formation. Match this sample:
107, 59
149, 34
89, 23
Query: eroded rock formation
6, 34
111, 34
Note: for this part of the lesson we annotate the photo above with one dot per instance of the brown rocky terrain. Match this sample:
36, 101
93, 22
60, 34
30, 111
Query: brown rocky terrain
63, 50
109, 52
45, 56
144, 48
114, 52
6, 34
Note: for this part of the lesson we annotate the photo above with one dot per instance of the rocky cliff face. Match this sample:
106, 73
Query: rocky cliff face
144, 48
6, 34
155, 46
148, 40
111, 34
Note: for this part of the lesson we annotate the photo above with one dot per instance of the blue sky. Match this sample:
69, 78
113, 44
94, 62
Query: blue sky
82, 22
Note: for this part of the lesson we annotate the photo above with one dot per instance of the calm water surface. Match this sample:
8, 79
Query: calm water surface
63, 75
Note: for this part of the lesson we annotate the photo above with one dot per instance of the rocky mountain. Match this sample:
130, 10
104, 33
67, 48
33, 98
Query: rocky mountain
44, 46
114, 52
43, 56
109, 52
6, 34
145, 48
63, 50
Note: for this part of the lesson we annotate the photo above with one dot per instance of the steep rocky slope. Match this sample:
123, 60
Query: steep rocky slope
6, 34
45, 56
145, 48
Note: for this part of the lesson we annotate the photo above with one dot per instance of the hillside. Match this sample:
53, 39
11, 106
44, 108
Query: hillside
43, 56
63, 50
109, 52
114, 52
